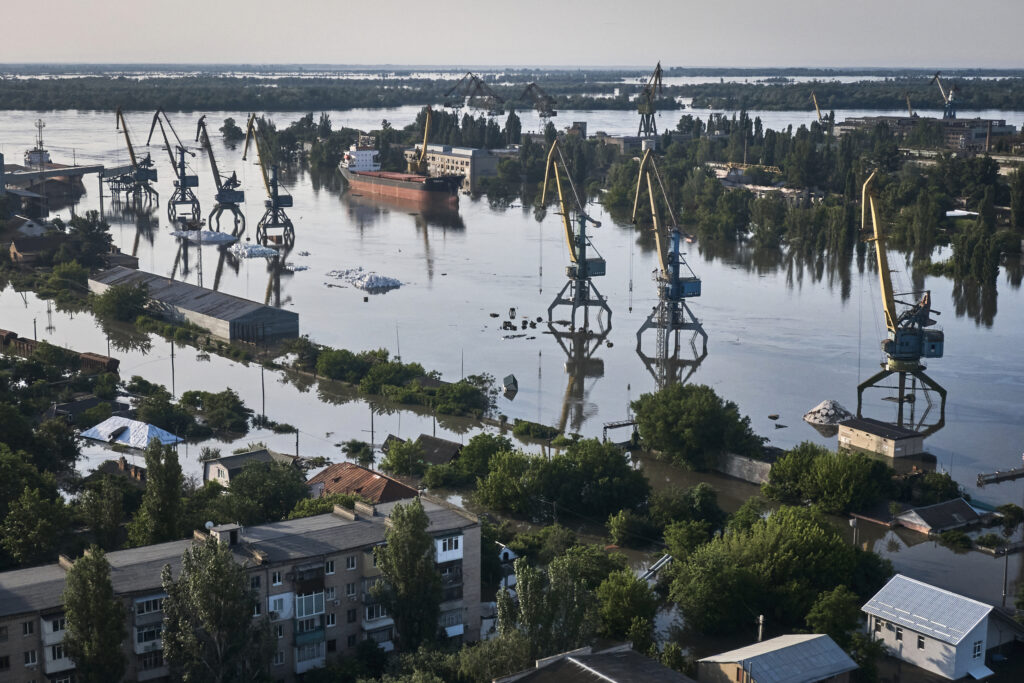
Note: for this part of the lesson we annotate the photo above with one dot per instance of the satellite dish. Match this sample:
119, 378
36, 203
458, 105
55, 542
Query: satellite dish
208, 525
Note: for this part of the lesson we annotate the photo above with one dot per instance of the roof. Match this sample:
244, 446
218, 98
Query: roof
184, 295
796, 658
946, 515
30, 590
36, 244
129, 432
438, 451
879, 428
347, 477
236, 461
926, 609
619, 666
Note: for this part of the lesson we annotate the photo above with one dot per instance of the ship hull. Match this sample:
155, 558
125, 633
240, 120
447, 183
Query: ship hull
441, 190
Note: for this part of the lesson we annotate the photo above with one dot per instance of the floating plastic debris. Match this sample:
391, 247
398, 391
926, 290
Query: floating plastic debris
366, 280
205, 236
249, 250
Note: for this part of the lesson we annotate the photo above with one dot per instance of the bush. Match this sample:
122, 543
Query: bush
121, 302
404, 458
956, 540
534, 430
307, 507
990, 540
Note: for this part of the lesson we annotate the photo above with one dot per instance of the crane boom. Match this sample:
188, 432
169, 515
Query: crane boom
816, 107
553, 165
910, 110
420, 164
123, 125
252, 133
884, 275
203, 138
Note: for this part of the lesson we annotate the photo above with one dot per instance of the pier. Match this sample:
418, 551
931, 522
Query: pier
1000, 476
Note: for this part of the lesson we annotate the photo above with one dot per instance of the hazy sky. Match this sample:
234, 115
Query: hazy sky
916, 33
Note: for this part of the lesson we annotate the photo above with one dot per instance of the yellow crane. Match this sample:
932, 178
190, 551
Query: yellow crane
910, 110
419, 165
274, 218
580, 288
143, 172
817, 108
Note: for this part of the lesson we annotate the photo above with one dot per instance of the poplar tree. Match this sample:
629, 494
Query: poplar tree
159, 517
95, 620
411, 585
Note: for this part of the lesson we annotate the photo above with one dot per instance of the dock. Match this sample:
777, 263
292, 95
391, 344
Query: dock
1000, 476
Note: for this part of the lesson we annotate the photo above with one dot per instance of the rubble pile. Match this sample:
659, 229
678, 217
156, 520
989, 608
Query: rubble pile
827, 412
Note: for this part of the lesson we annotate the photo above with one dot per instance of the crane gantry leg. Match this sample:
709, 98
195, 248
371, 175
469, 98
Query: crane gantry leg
903, 396
670, 318
582, 293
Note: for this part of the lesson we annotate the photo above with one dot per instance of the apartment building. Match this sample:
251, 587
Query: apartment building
312, 577
471, 162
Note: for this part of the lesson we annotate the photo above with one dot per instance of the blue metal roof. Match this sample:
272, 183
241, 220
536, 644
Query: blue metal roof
928, 610
796, 658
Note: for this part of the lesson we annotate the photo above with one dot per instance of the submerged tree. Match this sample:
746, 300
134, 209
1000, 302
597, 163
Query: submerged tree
95, 620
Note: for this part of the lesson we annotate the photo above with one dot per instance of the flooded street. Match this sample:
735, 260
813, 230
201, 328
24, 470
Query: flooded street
783, 335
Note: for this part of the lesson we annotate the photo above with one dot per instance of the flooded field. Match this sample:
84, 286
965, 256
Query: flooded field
783, 334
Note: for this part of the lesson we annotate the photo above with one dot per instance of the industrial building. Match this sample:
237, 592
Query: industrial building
867, 435
225, 316
960, 134
447, 160
312, 577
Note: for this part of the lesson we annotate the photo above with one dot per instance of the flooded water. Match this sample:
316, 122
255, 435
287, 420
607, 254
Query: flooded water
783, 335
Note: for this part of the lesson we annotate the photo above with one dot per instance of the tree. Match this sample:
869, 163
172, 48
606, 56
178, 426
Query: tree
103, 510
411, 585
404, 458
209, 631
95, 619
691, 425
33, 526
624, 597
837, 613
121, 302
266, 492
159, 519
360, 451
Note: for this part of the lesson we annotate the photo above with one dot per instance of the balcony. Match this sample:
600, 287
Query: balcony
314, 636
151, 674
448, 580
451, 593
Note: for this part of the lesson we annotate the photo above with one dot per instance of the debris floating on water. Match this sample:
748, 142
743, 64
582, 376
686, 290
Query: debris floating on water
205, 236
367, 280
827, 412
249, 250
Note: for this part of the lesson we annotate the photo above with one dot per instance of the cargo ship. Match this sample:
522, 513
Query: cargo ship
361, 169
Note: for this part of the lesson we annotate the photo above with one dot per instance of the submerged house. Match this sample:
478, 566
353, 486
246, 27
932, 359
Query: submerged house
934, 519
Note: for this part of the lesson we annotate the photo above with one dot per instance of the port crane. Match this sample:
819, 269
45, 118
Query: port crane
645, 104
136, 183
471, 88
183, 196
228, 195
676, 283
581, 290
817, 109
274, 218
542, 102
908, 339
419, 164
580, 348
910, 110
948, 97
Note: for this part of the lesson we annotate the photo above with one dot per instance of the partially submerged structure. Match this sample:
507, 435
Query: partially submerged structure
131, 433
934, 519
226, 467
795, 658
872, 436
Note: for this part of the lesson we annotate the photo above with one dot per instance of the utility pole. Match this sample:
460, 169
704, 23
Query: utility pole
263, 390
760, 627
1006, 567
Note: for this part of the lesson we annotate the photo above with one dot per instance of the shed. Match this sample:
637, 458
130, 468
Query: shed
225, 316
796, 658
868, 435
347, 477
950, 514
438, 451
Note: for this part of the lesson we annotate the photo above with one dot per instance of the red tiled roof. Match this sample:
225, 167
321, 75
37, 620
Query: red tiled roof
347, 477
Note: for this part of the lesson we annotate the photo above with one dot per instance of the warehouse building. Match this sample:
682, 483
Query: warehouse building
228, 317
471, 162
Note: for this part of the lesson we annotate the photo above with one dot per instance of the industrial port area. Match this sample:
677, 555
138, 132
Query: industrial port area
315, 369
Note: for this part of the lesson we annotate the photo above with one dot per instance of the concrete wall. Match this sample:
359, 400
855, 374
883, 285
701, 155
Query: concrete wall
742, 467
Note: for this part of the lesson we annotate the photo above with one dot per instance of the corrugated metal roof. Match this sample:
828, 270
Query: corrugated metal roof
184, 295
879, 428
928, 610
797, 658
129, 432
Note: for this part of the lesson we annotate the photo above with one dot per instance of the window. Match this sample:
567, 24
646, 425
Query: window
254, 583
257, 609
277, 605
739, 674
148, 633
306, 625
381, 636
451, 618
351, 616
329, 593
278, 658
58, 624
149, 606
977, 653
450, 543
332, 645
920, 642
153, 660
276, 578
312, 651
57, 651
878, 625
329, 567
350, 590
350, 562
5, 663
899, 633
352, 640
30, 657
330, 619
309, 604
280, 631
28, 628
63, 679
3, 633
377, 611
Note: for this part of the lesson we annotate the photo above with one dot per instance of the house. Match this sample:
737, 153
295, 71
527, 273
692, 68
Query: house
131, 433
951, 514
29, 250
796, 658
438, 451
136, 474
867, 435
226, 467
347, 477
620, 664
311, 578
932, 628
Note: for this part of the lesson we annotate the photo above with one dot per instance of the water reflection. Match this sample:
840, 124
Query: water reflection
580, 347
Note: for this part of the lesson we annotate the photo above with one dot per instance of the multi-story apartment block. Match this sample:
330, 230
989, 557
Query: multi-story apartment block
312, 577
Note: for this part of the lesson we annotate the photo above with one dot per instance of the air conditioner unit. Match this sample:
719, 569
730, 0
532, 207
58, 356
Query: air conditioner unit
336, 602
